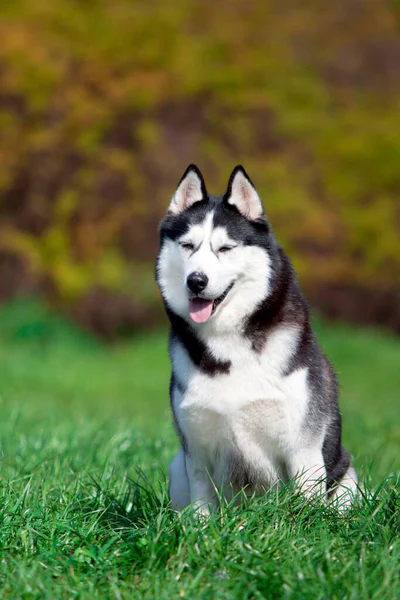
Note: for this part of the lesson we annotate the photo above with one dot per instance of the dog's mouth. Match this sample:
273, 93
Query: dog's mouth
201, 309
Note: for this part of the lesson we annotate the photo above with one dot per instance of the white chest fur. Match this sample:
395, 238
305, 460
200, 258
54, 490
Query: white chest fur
255, 410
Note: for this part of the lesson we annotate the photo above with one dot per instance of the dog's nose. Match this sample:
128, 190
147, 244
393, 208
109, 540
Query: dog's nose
197, 281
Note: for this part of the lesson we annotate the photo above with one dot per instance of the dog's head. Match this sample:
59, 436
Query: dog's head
217, 254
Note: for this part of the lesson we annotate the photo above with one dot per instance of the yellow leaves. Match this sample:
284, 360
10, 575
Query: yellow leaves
22, 244
53, 254
103, 105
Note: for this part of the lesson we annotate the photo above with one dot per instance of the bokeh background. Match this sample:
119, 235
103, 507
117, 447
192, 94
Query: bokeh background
104, 103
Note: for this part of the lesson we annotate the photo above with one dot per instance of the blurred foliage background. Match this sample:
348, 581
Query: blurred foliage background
104, 103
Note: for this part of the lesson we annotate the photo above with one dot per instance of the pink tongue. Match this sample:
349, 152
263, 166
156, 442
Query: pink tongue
200, 310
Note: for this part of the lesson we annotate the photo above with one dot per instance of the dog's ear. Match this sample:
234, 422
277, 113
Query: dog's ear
242, 194
191, 189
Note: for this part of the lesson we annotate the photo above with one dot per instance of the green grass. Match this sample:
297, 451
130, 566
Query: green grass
86, 438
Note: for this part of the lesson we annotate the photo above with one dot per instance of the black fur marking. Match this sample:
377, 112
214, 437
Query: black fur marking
240, 475
284, 305
174, 226
245, 232
337, 471
337, 459
195, 347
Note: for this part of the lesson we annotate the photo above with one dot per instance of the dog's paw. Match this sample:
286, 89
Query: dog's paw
201, 512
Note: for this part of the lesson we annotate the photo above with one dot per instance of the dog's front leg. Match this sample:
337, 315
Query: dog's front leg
307, 466
201, 488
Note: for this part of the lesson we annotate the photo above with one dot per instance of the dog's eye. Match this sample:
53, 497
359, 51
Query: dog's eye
226, 248
187, 246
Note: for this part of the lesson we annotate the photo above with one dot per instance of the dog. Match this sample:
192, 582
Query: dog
254, 399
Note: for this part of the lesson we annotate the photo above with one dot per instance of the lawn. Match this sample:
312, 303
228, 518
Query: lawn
86, 438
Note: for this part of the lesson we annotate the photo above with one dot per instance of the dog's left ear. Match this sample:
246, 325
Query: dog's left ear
242, 194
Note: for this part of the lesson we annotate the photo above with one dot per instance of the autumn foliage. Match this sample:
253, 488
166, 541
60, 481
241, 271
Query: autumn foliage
103, 105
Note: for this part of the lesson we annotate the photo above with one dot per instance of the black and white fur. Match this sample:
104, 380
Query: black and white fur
254, 399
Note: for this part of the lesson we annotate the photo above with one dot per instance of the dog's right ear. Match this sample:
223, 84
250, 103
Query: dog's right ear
191, 189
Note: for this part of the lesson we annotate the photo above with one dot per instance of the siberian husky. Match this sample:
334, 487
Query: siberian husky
254, 400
